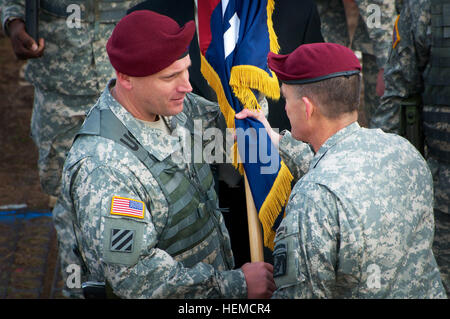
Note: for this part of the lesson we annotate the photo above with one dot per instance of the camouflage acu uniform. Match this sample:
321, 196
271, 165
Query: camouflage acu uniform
70, 75
359, 224
413, 70
371, 39
98, 169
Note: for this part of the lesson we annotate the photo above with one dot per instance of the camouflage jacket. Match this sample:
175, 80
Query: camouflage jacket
75, 61
97, 169
406, 63
373, 34
360, 223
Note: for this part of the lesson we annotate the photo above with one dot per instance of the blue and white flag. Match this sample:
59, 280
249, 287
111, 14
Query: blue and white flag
235, 37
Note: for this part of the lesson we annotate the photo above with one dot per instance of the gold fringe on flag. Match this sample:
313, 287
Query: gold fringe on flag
244, 78
274, 46
274, 202
214, 81
228, 112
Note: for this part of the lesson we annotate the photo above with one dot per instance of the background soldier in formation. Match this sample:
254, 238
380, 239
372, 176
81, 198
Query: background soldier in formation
68, 68
416, 102
372, 37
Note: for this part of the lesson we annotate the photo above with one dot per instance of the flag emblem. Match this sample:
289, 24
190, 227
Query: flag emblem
127, 207
122, 240
235, 37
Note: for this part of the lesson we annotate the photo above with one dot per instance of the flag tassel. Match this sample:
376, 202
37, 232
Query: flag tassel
274, 202
244, 78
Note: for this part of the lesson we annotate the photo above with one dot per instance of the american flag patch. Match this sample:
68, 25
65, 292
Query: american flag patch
127, 207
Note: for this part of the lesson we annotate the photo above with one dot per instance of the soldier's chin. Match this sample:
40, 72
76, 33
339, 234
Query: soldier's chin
176, 106
296, 135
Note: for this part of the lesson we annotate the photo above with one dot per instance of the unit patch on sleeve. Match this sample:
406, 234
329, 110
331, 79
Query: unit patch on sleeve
122, 240
395, 34
279, 260
127, 207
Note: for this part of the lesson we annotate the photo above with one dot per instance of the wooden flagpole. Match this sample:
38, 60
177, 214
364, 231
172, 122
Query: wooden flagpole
254, 226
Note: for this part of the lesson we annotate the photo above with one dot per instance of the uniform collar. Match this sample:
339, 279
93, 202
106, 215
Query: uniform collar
332, 141
156, 142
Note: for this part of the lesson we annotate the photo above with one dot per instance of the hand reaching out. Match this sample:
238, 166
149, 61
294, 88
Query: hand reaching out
258, 115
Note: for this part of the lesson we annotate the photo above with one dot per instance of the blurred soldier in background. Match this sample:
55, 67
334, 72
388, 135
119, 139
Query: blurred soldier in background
416, 102
68, 68
372, 37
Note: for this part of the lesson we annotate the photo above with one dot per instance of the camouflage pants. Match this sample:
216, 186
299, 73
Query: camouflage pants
441, 244
55, 120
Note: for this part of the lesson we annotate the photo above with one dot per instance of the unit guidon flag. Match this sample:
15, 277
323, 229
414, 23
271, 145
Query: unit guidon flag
235, 37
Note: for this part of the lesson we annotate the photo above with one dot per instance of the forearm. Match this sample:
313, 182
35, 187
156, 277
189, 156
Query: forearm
158, 275
10, 10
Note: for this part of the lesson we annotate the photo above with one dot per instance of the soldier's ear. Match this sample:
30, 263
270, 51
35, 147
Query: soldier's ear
309, 107
124, 80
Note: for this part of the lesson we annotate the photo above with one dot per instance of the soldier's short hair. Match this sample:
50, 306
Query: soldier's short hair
335, 96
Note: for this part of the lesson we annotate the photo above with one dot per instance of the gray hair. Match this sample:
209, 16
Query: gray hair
334, 96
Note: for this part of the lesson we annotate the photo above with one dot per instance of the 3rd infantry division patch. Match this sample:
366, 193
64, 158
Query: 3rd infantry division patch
122, 240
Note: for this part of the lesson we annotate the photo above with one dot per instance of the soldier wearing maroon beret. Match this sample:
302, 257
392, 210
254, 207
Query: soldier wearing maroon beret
147, 224
359, 220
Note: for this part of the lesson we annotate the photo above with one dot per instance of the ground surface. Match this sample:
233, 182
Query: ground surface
27, 237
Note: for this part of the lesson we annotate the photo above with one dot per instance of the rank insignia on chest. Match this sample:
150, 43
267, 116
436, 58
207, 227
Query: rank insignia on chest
127, 207
395, 34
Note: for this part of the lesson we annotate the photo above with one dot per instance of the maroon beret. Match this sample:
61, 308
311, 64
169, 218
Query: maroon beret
145, 42
314, 62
